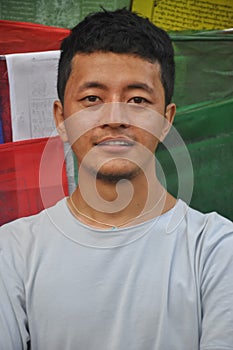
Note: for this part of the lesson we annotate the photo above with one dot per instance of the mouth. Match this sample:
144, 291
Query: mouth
115, 144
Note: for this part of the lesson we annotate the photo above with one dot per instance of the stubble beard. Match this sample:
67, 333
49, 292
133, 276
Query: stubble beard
122, 173
113, 178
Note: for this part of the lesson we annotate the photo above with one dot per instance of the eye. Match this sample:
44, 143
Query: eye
138, 100
91, 98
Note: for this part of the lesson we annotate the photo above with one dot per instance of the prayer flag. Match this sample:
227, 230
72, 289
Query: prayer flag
32, 177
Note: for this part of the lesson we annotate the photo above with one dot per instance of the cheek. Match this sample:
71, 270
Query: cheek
79, 129
81, 146
148, 140
152, 145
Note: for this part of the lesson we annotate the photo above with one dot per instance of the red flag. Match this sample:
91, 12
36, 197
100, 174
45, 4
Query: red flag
5, 114
21, 37
32, 177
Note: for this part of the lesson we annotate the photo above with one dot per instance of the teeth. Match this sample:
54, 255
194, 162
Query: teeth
116, 142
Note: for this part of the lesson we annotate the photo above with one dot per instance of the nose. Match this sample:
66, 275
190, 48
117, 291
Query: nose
115, 115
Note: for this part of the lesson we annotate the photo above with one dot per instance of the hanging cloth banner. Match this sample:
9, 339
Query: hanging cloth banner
22, 37
23, 165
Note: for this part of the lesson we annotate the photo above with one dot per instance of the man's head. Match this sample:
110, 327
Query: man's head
122, 32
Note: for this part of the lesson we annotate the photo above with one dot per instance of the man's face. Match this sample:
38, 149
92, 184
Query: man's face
118, 81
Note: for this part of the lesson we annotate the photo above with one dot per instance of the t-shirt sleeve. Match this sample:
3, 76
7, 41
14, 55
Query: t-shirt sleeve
216, 284
13, 321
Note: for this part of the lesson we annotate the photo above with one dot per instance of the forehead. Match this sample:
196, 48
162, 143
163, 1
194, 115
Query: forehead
113, 66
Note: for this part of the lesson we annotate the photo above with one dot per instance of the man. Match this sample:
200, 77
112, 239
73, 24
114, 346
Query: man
101, 270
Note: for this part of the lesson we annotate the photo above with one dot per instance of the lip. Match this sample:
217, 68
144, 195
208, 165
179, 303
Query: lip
114, 140
115, 144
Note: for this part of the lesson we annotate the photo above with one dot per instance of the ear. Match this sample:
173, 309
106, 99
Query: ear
169, 118
59, 120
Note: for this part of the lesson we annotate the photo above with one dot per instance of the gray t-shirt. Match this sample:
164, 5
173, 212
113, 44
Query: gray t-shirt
166, 284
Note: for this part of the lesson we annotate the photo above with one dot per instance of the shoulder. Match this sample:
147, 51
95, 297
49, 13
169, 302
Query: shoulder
200, 232
22, 231
208, 224
209, 235
25, 240
212, 226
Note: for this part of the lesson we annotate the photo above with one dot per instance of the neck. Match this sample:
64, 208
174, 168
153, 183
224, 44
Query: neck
122, 204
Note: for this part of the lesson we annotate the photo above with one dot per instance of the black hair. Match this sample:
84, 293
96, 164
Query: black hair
120, 31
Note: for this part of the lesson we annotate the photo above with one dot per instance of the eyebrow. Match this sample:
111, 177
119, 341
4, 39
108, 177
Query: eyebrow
92, 84
141, 86
136, 85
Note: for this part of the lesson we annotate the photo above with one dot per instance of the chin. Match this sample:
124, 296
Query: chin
114, 177
113, 171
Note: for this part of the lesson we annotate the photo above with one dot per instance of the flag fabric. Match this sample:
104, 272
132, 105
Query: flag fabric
32, 172
32, 177
21, 37
5, 103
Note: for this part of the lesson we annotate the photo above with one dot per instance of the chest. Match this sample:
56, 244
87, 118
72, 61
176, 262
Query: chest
144, 294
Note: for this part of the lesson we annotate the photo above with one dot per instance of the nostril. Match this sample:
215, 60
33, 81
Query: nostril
115, 125
114, 115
